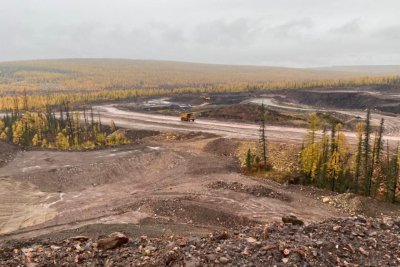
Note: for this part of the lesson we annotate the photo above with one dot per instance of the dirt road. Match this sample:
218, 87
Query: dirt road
129, 119
392, 123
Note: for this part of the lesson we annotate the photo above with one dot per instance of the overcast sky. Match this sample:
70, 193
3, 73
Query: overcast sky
295, 33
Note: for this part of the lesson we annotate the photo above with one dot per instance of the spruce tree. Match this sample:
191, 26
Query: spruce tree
263, 138
358, 163
367, 152
249, 160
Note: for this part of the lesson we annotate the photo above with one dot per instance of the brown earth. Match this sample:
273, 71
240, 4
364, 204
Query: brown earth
172, 187
164, 178
353, 241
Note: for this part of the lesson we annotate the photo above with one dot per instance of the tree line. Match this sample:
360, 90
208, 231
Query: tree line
328, 161
63, 129
39, 99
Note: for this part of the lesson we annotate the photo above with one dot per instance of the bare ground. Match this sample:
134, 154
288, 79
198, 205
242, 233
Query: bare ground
161, 181
166, 181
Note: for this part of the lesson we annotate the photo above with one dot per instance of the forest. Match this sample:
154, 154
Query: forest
329, 162
80, 82
63, 130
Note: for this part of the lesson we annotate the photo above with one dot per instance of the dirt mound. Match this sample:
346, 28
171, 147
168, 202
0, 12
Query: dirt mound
255, 190
137, 135
169, 136
250, 113
354, 241
356, 204
347, 97
192, 212
222, 147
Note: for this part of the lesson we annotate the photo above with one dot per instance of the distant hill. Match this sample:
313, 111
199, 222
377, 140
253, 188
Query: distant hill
367, 69
100, 74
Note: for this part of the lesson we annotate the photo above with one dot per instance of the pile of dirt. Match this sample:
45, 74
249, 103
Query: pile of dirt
174, 136
250, 113
183, 210
353, 241
355, 204
349, 202
284, 159
137, 135
255, 190
347, 97
222, 147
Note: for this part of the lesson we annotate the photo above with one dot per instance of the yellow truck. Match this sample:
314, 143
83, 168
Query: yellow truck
187, 116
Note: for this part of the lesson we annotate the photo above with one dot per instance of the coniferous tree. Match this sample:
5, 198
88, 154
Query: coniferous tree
263, 138
367, 153
249, 160
323, 159
358, 163
113, 128
392, 176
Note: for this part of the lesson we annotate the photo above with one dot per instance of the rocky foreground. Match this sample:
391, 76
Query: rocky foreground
354, 241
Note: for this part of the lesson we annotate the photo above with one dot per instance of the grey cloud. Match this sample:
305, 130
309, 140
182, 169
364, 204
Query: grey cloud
268, 32
390, 33
351, 27
293, 28
226, 33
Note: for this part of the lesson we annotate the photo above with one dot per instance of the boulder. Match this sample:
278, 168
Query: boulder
114, 240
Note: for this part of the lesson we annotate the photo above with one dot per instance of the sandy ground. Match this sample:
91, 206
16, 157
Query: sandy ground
167, 182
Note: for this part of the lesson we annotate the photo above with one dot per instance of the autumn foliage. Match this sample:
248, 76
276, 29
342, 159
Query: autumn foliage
327, 161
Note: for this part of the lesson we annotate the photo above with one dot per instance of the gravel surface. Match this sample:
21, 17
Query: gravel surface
352, 241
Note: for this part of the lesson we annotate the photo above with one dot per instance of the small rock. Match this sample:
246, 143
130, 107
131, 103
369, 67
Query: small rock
112, 241
291, 219
222, 236
79, 238
286, 251
336, 227
211, 257
373, 233
363, 251
223, 260
265, 232
78, 248
387, 221
150, 248
326, 199
183, 242
53, 247
285, 260
246, 251
251, 240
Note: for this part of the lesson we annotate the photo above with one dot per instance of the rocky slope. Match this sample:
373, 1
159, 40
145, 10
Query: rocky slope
352, 241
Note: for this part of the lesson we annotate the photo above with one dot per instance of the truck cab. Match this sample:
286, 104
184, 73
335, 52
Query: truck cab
187, 116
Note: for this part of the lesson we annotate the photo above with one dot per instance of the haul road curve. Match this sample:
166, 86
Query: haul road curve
138, 120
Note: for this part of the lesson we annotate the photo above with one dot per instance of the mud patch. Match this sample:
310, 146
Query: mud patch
255, 190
